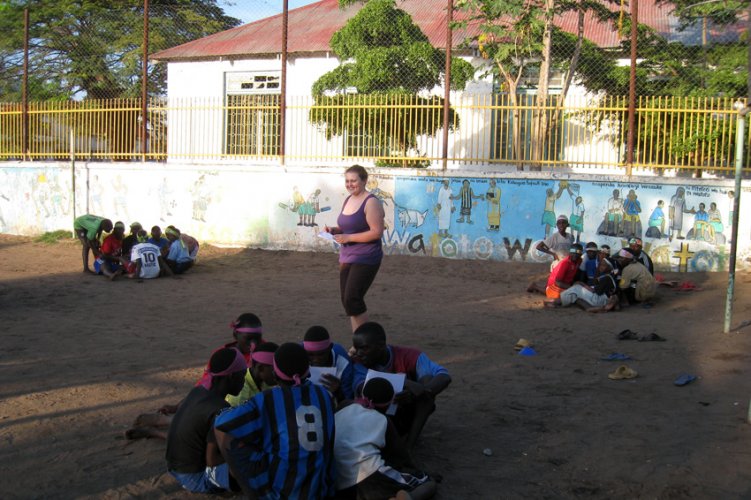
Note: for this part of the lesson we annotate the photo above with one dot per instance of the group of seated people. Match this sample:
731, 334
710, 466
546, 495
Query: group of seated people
140, 254
593, 279
302, 420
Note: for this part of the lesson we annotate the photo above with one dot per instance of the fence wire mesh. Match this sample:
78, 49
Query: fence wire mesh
391, 52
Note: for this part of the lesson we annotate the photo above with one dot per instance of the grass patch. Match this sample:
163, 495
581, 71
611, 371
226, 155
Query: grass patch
53, 236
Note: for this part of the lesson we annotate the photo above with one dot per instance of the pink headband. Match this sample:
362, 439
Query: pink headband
283, 376
263, 357
238, 365
368, 403
316, 345
245, 329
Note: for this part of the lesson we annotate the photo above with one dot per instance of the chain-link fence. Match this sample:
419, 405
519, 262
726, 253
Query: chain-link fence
391, 56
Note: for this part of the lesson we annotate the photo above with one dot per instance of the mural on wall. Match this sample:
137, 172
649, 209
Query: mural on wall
305, 208
441, 217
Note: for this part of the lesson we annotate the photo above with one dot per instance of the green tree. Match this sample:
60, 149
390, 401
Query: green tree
387, 61
92, 48
519, 38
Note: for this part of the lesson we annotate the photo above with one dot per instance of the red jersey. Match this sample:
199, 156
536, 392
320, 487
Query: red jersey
112, 246
565, 272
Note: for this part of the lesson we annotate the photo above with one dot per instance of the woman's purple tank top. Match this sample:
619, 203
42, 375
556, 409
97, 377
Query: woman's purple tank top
369, 253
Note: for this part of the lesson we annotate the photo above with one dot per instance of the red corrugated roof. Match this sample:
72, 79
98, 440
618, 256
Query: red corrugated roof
310, 28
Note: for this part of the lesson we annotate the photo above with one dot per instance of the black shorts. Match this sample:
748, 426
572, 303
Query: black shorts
354, 281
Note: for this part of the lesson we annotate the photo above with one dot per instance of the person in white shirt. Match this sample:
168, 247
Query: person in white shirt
367, 449
147, 259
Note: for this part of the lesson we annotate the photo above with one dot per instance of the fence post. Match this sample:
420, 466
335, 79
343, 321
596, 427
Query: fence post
632, 89
145, 82
447, 84
283, 96
72, 146
25, 89
740, 135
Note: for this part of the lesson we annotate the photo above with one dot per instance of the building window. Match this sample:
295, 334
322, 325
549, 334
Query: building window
252, 114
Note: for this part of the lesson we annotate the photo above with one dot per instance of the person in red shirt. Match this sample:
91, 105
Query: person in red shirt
110, 261
564, 274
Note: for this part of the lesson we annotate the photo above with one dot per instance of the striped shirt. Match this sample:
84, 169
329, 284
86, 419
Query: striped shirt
284, 442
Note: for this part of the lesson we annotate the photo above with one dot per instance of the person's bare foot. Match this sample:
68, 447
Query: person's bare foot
137, 433
551, 303
152, 420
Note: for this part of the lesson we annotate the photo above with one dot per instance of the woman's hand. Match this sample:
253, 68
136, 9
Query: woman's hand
342, 238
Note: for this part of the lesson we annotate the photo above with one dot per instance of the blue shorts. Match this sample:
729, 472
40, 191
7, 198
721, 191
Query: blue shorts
112, 266
212, 480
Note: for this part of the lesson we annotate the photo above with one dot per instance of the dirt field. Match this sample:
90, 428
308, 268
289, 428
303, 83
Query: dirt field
81, 357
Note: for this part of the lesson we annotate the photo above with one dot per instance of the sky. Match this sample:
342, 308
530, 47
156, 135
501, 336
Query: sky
252, 10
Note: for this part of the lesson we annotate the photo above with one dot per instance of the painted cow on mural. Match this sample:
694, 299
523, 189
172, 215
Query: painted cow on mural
410, 217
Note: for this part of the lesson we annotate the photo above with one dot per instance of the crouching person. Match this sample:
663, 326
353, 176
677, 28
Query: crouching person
193, 457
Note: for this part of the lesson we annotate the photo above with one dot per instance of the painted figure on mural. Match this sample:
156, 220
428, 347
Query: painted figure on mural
702, 230
631, 219
493, 198
444, 208
548, 214
715, 221
121, 197
311, 208
675, 212
466, 195
656, 223
40, 190
611, 225
165, 200
576, 221
201, 199
379, 193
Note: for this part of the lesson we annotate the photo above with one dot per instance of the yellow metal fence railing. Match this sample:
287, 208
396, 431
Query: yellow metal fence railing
387, 129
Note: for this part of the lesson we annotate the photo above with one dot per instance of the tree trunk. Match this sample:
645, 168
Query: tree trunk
540, 115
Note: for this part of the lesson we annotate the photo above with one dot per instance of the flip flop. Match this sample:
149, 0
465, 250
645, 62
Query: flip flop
628, 335
527, 351
617, 356
623, 372
652, 337
684, 379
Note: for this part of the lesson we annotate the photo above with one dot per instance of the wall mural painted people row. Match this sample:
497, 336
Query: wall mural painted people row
684, 226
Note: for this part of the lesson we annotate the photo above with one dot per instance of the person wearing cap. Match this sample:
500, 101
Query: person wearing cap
280, 443
369, 453
589, 264
564, 274
322, 352
110, 261
557, 244
636, 283
178, 258
89, 229
635, 247
424, 379
601, 295
132, 239
193, 457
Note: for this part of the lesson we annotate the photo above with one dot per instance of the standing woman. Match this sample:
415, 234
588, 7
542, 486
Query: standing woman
359, 231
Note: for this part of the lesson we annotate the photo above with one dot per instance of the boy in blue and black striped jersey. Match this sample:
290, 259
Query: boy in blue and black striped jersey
280, 443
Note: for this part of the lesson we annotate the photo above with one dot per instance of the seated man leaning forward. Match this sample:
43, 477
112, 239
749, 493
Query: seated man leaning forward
637, 284
280, 443
322, 352
179, 258
193, 457
562, 276
146, 260
600, 296
424, 378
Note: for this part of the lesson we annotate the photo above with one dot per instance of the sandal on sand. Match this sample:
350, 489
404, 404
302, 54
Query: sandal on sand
652, 337
684, 379
623, 372
628, 335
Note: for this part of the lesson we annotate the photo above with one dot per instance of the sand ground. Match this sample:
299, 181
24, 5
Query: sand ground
81, 357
